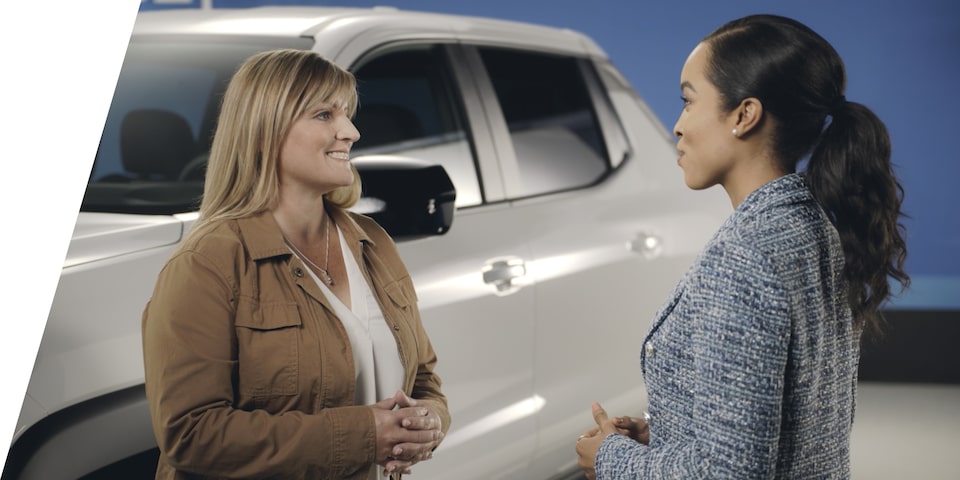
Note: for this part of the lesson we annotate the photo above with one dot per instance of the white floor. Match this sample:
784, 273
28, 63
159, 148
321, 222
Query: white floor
906, 431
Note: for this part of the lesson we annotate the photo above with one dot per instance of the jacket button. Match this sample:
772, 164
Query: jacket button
298, 271
649, 349
647, 417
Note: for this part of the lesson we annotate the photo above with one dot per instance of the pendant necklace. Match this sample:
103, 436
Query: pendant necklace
326, 256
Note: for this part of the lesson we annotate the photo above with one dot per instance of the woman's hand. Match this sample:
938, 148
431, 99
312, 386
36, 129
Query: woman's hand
633, 427
589, 443
407, 432
423, 418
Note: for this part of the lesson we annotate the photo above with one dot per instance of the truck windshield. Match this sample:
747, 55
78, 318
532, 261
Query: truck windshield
157, 134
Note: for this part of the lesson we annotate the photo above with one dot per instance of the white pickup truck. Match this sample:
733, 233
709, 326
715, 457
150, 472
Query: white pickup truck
571, 223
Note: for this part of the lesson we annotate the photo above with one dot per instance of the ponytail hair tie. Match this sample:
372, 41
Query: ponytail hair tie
837, 105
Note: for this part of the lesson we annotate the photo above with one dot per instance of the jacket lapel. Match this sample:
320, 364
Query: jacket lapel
665, 310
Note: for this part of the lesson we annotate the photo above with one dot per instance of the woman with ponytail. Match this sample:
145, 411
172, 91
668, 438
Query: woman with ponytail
751, 364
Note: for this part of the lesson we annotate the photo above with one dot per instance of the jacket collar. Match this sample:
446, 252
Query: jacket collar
786, 190
265, 240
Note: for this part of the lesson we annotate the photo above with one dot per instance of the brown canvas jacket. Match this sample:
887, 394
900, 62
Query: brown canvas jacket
249, 374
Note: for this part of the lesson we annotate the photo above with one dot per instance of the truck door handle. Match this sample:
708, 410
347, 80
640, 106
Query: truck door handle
646, 244
502, 273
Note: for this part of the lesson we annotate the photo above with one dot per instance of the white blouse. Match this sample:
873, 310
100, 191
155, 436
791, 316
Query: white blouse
375, 355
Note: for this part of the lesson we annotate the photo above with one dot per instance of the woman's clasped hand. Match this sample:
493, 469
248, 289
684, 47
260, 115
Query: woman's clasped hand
407, 432
589, 443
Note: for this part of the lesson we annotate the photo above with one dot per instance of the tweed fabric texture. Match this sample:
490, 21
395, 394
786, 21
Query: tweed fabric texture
751, 363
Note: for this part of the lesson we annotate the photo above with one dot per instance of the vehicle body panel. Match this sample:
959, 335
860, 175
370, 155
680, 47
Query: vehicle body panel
587, 267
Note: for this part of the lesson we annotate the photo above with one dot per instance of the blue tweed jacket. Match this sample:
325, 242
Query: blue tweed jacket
751, 363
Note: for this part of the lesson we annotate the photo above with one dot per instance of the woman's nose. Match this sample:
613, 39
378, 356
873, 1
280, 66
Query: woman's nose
348, 131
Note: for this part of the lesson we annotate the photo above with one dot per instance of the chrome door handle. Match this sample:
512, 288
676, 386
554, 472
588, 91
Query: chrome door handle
502, 273
646, 244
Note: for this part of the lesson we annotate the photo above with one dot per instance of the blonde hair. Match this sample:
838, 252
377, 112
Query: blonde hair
266, 95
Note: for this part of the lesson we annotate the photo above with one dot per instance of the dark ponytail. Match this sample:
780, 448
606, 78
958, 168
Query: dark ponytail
850, 174
799, 79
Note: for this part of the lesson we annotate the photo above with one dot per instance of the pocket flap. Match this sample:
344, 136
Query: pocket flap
271, 316
401, 292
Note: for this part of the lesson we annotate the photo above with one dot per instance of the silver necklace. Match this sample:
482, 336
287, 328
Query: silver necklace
326, 256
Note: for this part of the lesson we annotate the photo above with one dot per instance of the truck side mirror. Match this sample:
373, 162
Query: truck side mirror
409, 198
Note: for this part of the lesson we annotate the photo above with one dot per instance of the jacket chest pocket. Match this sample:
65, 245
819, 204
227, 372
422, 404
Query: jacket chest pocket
268, 338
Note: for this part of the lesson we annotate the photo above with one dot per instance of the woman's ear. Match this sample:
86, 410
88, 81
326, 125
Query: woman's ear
747, 116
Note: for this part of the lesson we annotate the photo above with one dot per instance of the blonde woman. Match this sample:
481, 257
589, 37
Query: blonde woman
283, 338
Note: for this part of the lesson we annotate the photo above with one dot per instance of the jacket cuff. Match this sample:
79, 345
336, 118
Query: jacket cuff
354, 438
614, 454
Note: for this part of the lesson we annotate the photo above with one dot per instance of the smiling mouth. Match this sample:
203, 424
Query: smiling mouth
340, 155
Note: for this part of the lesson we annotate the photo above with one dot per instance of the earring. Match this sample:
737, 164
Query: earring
734, 132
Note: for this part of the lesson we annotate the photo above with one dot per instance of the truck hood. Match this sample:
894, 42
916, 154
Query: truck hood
98, 236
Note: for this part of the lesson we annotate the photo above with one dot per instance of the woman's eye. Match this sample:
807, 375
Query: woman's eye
324, 115
685, 100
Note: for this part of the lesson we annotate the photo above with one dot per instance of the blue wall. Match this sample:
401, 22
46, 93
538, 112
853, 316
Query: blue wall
903, 61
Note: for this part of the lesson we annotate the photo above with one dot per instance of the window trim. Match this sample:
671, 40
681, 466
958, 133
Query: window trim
611, 127
491, 137
488, 178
